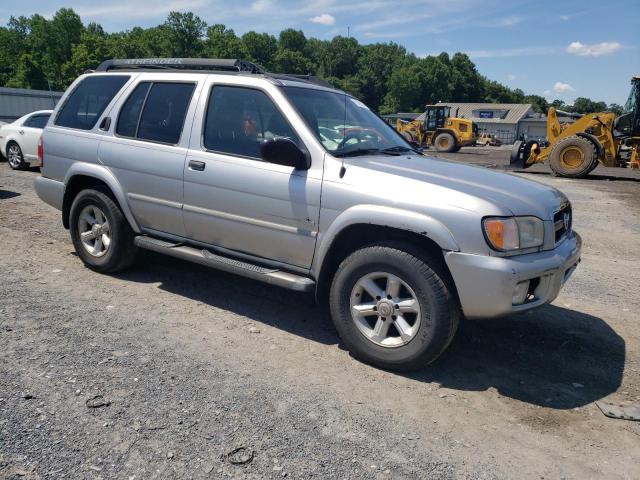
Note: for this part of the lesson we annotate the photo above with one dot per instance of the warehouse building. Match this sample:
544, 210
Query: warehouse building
16, 102
507, 121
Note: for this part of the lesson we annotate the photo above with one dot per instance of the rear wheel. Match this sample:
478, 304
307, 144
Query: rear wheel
393, 308
15, 157
100, 233
445, 142
573, 157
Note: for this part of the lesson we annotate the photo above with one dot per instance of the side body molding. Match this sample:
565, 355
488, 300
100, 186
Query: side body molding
385, 217
101, 172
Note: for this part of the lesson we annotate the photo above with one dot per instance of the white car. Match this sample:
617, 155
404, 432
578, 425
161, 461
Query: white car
19, 140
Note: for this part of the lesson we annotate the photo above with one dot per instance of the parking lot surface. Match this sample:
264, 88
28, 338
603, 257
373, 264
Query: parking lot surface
165, 370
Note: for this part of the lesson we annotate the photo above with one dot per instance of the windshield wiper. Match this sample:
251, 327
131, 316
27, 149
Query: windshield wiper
357, 152
397, 150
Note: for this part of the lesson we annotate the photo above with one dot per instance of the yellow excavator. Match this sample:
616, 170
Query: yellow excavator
436, 127
575, 149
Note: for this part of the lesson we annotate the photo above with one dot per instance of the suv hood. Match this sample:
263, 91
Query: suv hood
508, 192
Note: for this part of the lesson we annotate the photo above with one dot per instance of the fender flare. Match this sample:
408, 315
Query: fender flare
382, 216
102, 173
594, 140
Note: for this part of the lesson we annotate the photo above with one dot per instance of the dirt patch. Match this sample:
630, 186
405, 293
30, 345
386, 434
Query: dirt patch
196, 363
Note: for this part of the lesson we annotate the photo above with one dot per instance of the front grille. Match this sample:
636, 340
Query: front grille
562, 222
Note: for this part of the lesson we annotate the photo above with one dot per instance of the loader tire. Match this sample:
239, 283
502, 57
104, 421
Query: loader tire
445, 142
573, 157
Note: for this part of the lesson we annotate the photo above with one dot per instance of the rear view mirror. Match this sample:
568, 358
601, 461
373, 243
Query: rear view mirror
283, 151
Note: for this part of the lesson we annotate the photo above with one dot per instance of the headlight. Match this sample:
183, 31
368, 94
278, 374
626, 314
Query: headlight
513, 233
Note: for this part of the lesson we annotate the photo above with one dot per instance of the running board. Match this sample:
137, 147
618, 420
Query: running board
269, 275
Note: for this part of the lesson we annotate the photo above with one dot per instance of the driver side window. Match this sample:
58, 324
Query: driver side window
240, 119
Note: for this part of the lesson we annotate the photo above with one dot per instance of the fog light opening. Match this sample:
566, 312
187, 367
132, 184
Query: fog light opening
520, 293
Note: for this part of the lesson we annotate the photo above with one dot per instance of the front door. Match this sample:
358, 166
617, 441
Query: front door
232, 198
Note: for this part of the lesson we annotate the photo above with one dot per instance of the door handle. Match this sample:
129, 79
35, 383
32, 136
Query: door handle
196, 165
105, 124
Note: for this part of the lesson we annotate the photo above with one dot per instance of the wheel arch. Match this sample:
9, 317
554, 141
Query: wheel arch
88, 176
356, 230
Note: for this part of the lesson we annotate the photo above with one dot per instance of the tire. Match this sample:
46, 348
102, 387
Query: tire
98, 206
573, 157
456, 149
422, 278
15, 159
445, 142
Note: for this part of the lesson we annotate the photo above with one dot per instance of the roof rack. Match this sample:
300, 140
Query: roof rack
203, 64
228, 65
305, 78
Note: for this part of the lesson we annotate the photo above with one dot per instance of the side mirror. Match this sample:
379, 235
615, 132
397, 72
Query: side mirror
283, 151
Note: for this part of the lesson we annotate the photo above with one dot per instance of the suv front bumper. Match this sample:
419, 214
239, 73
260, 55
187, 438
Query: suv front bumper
486, 285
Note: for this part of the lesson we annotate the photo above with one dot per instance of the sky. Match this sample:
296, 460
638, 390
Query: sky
559, 49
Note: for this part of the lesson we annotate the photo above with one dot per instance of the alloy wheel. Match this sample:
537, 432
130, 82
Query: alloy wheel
385, 309
94, 230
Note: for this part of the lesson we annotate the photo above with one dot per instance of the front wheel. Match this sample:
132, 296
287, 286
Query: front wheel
15, 157
100, 233
445, 142
573, 157
393, 308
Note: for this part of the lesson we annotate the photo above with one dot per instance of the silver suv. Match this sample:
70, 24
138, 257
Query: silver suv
285, 180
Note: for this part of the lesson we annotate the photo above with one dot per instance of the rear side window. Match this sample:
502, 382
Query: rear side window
130, 114
88, 100
155, 112
37, 121
240, 119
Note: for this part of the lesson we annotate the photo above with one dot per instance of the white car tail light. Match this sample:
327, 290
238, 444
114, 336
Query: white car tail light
40, 152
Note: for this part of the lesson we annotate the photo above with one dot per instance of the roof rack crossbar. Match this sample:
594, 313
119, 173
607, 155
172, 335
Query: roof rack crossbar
232, 65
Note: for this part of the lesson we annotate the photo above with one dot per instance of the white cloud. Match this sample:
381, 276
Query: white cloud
324, 19
560, 87
509, 21
511, 77
260, 5
595, 50
547, 93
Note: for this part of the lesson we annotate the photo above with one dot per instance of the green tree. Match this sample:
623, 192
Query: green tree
615, 108
586, 105
260, 47
185, 31
539, 104
465, 79
222, 42
291, 39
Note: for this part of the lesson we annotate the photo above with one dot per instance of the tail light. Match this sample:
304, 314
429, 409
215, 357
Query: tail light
40, 153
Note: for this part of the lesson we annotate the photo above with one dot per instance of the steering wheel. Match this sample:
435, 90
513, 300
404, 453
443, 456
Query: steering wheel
349, 136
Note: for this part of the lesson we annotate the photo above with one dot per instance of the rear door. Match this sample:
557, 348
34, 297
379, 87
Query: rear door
147, 147
30, 134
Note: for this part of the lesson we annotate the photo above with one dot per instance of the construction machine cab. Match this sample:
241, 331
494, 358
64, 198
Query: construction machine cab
435, 116
628, 123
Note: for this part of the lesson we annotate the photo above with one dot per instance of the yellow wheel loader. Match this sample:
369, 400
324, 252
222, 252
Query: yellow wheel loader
575, 149
436, 127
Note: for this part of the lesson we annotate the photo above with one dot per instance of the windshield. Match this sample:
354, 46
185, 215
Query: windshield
345, 126
631, 101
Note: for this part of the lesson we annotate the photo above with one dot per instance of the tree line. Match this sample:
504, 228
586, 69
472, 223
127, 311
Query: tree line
39, 53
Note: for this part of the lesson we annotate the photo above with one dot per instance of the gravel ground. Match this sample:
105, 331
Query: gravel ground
164, 370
